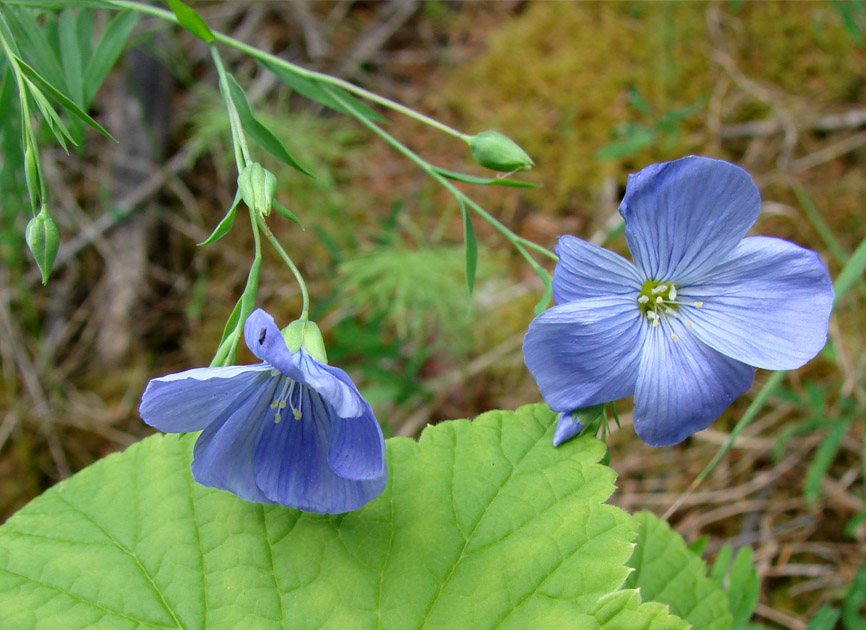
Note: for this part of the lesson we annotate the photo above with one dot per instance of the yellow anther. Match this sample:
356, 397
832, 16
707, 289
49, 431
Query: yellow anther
274, 405
699, 304
675, 338
655, 323
282, 404
277, 418
296, 413
688, 322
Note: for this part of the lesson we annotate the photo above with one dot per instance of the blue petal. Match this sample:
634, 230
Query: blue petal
683, 385
191, 400
585, 271
357, 447
225, 452
682, 218
291, 464
584, 353
265, 341
767, 305
566, 428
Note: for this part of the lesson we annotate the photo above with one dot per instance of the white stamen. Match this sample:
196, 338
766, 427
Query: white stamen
643, 299
671, 312
275, 372
673, 294
660, 289
653, 315
660, 300
655, 322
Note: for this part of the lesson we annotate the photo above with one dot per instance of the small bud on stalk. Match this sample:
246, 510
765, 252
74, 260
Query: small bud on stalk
43, 239
493, 150
258, 187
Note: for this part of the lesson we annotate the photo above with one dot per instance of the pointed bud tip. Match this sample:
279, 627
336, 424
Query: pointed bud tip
43, 239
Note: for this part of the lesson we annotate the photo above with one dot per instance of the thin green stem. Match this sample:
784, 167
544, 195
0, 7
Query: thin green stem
239, 140
305, 296
428, 168
300, 71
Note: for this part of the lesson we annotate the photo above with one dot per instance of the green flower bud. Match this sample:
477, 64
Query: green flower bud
258, 187
43, 239
31, 175
493, 150
302, 333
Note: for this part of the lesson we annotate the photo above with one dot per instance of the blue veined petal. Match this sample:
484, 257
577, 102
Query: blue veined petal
768, 304
266, 342
566, 428
357, 447
191, 400
585, 352
291, 464
585, 271
683, 385
682, 218
224, 454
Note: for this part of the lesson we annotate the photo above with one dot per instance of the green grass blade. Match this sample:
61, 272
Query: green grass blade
189, 18
107, 51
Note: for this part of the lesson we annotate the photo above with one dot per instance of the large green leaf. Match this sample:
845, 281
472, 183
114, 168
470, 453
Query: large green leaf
666, 571
482, 525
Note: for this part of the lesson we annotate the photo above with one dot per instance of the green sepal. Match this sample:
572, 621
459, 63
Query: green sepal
261, 134
189, 18
304, 334
257, 187
225, 225
43, 239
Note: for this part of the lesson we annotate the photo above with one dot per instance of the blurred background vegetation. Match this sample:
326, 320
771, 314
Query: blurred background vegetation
592, 92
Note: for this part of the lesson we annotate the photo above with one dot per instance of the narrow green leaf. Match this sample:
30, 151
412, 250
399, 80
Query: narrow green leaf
55, 5
720, 567
851, 272
33, 44
287, 213
55, 124
824, 456
854, 601
225, 224
189, 18
484, 181
70, 55
62, 99
311, 90
261, 134
825, 618
482, 525
470, 244
666, 571
84, 19
107, 51
744, 588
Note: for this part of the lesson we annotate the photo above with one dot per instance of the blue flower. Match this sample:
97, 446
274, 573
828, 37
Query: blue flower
290, 430
684, 326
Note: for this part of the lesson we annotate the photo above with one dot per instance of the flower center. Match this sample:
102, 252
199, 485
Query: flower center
285, 400
657, 299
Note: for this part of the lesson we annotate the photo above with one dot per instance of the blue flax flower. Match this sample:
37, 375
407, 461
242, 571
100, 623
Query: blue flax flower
290, 430
684, 326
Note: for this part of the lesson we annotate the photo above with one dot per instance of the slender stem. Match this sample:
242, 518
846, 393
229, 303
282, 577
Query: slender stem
428, 168
305, 296
242, 151
298, 70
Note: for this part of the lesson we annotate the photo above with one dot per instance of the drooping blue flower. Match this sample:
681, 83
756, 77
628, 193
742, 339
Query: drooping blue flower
290, 430
684, 326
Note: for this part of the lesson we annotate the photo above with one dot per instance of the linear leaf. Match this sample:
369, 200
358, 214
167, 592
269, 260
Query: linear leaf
261, 134
70, 55
33, 44
484, 181
287, 213
471, 247
189, 18
107, 51
62, 99
311, 90
225, 224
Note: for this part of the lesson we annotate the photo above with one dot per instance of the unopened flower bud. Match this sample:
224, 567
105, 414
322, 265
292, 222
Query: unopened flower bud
43, 239
258, 186
493, 150
304, 334
31, 174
